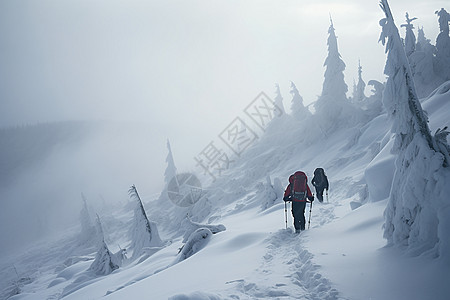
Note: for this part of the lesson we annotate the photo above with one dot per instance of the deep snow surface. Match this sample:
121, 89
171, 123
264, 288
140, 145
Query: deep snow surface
342, 255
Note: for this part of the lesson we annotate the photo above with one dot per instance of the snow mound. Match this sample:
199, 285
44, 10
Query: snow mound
73, 270
196, 242
379, 174
437, 105
441, 90
192, 226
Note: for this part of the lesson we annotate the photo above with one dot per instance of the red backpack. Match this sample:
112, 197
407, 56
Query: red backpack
298, 186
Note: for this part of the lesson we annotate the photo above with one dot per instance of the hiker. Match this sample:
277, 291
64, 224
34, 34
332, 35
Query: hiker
299, 193
320, 182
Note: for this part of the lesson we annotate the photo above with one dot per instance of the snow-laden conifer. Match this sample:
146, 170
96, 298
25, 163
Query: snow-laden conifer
410, 38
268, 192
279, 100
421, 62
143, 232
418, 212
373, 103
378, 88
422, 41
354, 90
119, 257
88, 229
299, 111
104, 261
333, 109
334, 83
443, 45
361, 86
171, 169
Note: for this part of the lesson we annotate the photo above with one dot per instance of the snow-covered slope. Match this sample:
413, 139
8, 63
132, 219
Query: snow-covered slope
341, 256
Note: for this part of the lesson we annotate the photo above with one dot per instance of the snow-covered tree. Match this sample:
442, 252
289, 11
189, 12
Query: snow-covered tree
299, 111
143, 232
417, 216
333, 108
442, 65
99, 234
118, 257
361, 86
88, 229
410, 38
371, 106
421, 59
269, 192
171, 170
279, 100
378, 88
374, 104
421, 62
353, 90
334, 87
422, 41
104, 262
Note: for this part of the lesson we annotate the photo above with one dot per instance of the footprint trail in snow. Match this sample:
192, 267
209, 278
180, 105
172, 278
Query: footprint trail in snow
287, 270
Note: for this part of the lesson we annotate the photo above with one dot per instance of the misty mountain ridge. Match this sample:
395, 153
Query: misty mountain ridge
26, 146
46, 167
385, 216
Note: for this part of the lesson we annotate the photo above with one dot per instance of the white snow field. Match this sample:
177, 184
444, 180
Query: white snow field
341, 256
382, 232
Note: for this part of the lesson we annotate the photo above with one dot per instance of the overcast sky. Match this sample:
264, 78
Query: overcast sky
188, 66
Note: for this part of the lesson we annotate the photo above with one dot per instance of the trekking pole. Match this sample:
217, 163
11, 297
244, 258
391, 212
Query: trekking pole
285, 213
310, 210
327, 196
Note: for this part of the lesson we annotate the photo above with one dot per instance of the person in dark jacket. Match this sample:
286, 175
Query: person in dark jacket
320, 182
298, 201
